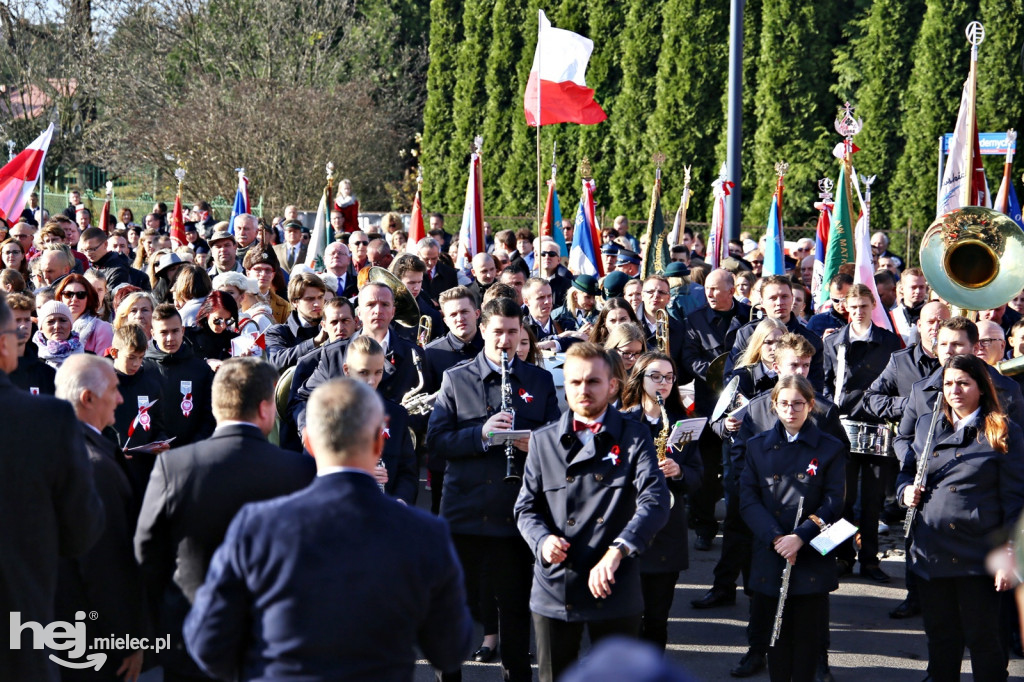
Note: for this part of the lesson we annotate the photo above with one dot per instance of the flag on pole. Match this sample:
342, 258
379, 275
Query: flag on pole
586, 238
416, 229
820, 242
105, 211
471, 235
840, 233
177, 215
19, 176
679, 224
864, 272
551, 225
1006, 194
716, 239
657, 253
557, 90
241, 204
322, 232
774, 246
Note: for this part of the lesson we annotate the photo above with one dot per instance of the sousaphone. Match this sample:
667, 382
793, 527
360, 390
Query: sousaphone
407, 311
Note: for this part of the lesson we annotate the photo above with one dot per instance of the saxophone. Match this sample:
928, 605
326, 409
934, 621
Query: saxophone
661, 442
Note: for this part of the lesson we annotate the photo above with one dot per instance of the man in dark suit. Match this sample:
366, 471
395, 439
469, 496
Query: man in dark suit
439, 277
477, 500
49, 503
293, 250
195, 491
550, 334
592, 500
105, 580
351, 597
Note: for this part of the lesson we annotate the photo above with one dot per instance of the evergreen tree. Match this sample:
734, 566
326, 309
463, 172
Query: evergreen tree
504, 89
518, 175
438, 125
883, 52
1000, 84
941, 60
795, 108
604, 74
470, 98
641, 45
688, 118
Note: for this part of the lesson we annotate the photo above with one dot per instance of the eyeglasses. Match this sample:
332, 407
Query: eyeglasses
360, 243
80, 295
659, 378
984, 343
795, 406
837, 301
220, 322
627, 355
90, 249
549, 254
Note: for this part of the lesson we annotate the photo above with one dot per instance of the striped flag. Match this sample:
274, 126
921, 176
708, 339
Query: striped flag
716, 238
416, 229
322, 233
19, 177
552, 223
586, 238
471, 235
241, 204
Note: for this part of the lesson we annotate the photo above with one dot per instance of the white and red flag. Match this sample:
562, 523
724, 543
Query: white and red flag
716, 239
417, 231
471, 236
557, 91
19, 177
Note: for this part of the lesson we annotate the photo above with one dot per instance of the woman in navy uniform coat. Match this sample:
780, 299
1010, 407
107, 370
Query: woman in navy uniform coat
972, 495
794, 459
655, 373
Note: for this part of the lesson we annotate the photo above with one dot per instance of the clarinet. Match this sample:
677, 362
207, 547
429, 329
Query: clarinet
511, 475
784, 589
922, 465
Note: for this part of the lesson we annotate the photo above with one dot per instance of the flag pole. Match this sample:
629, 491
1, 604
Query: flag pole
540, 178
975, 35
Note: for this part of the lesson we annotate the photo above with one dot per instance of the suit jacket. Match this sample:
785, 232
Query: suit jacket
887, 396
288, 342
444, 278
193, 494
972, 495
275, 598
865, 361
445, 353
476, 499
702, 343
590, 495
399, 457
50, 507
33, 375
776, 475
105, 580
817, 374
282, 255
555, 327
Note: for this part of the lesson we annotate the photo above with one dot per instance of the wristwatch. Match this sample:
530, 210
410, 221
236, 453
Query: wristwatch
622, 547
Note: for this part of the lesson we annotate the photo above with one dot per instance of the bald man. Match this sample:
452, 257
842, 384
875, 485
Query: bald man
991, 342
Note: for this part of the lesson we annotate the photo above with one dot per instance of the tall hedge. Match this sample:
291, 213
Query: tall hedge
438, 126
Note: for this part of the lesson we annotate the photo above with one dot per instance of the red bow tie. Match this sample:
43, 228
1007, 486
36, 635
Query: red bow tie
593, 427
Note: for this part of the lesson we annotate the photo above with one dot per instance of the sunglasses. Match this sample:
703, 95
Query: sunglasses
80, 295
549, 254
360, 243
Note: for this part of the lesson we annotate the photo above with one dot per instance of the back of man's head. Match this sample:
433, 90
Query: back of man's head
343, 422
81, 372
240, 386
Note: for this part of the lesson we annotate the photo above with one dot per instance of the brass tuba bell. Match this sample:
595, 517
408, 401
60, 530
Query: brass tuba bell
973, 258
407, 311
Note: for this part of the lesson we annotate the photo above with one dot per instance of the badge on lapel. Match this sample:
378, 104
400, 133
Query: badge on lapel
527, 398
812, 468
386, 431
613, 455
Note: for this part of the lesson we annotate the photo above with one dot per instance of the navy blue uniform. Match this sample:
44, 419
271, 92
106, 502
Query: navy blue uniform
707, 334
888, 394
817, 373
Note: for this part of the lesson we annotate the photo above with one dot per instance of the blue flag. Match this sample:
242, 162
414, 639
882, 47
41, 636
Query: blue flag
1015, 212
556, 227
774, 261
241, 199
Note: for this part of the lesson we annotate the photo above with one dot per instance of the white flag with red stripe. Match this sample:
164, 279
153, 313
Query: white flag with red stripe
19, 177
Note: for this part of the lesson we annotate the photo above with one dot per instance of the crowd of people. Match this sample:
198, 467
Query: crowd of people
227, 445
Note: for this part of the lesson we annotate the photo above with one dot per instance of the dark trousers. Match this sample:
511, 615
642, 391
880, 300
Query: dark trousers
869, 469
659, 589
736, 543
794, 658
962, 612
558, 641
508, 565
436, 487
702, 502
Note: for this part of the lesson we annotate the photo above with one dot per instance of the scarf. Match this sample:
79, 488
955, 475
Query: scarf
56, 352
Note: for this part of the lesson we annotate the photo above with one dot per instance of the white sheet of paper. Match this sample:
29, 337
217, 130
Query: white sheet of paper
686, 431
501, 437
149, 446
833, 536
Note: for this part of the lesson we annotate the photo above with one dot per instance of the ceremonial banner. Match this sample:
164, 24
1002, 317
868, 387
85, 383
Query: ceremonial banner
416, 229
471, 236
19, 177
586, 238
551, 226
818, 292
178, 223
775, 242
657, 252
1006, 198
241, 204
322, 233
557, 90
717, 245
840, 235
105, 211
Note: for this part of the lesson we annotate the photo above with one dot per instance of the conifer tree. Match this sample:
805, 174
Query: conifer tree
1000, 82
438, 126
605, 19
518, 176
941, 61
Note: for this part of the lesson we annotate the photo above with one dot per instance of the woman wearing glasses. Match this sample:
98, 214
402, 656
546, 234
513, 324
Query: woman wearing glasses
972, 495
628, 342
791, 461
754, 366
660, 564
78, 295
214, 328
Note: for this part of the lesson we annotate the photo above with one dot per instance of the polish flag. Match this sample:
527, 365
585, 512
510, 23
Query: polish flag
178, 223
557, 91
19, 177
471, 235
416, 229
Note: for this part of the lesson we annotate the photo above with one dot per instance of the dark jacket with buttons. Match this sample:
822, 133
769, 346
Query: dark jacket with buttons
922, 400
288, 342
973, 496
887, 396
445, 353
590, 495
399, 457
555, 327
865, 361
669, 552
817, 373
476, 499
702, 343
776, 475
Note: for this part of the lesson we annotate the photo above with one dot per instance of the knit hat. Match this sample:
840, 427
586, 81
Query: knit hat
54, 308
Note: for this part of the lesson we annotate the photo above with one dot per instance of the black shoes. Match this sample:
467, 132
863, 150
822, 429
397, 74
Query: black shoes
750, 665
843, 567
715, 597
702, 543
874, 573
484, 654
906, 609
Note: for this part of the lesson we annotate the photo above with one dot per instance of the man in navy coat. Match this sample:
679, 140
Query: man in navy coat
336, 581
592, 500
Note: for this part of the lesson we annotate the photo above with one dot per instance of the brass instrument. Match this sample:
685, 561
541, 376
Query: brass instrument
973, 258
511, 475
661, 442
424, 330
415, 401
661, 330
407, 311
716, 373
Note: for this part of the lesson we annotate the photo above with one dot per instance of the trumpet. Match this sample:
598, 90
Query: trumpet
511, 474
424, 330
661, 330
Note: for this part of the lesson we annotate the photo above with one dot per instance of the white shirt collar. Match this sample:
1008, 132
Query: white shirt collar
864, 337
969, 420
98, 432
767, 370
791, 437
